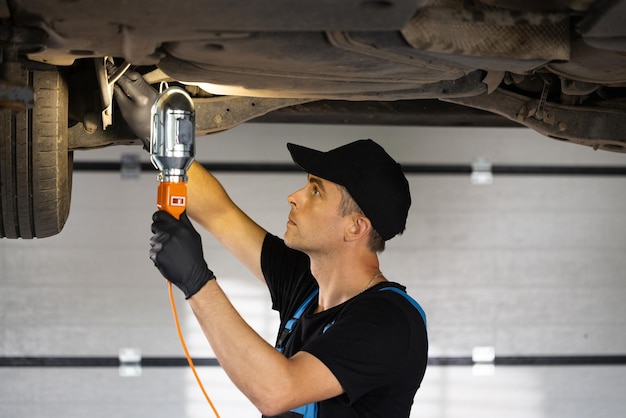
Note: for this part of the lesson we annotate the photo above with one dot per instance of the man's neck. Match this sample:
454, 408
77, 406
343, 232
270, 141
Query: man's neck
341, 280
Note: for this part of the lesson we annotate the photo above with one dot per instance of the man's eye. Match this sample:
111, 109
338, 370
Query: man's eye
315, 191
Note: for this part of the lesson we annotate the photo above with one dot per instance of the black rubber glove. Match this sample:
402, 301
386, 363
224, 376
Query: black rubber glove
135, 98
176, 250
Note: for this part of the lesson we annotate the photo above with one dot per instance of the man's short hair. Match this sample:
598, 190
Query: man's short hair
375, 242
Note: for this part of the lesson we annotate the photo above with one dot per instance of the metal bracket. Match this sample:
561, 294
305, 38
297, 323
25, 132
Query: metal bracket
483, 359
106, 82
481, 172
597, 127
540, 112
130, 362
130, 166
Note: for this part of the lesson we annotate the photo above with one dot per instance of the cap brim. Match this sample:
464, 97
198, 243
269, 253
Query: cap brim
312, 161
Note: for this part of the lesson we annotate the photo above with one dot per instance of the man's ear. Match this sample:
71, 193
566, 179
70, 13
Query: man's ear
358, 228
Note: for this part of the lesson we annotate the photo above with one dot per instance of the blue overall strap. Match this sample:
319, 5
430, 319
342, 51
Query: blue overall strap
307, 411
286, 331
410, 299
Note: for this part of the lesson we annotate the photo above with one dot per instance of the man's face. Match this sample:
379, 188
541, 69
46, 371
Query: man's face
315, 224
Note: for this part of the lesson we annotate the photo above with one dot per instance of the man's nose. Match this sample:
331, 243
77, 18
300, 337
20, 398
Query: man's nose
291, 200
293, 197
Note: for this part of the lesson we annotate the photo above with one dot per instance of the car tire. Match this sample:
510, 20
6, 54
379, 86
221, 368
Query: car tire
35, 163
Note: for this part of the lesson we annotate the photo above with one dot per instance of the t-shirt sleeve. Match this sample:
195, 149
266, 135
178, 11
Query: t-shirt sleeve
366, 347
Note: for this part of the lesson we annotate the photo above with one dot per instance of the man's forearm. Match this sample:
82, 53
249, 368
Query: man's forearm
253, 365
207, 199
210, 206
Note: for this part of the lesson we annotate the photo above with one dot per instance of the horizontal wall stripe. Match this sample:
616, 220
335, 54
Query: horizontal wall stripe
586, 360
104, 166
100, 362
78, 362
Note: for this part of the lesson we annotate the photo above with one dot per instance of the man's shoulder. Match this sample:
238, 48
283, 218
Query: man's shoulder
390, 299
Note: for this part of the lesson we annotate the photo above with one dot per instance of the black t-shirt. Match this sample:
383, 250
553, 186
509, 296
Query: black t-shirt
376, 344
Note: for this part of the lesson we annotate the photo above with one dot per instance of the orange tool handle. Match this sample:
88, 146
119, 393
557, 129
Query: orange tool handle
172, 197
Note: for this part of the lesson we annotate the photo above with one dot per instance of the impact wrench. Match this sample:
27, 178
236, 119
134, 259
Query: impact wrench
172, 150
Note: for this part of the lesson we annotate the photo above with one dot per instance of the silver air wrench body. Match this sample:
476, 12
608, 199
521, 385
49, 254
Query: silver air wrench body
172, 147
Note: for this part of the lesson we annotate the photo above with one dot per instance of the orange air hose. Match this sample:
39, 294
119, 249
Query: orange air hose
172, 197
182, 343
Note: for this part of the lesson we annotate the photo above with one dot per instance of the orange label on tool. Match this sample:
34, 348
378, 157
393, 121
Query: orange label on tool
172, 198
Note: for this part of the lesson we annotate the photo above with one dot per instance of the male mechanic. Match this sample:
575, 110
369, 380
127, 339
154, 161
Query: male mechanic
351, 343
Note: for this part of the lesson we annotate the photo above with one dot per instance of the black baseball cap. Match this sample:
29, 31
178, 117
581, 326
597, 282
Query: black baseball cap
374, 180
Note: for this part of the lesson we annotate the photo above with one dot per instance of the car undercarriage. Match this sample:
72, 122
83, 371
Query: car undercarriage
556, 66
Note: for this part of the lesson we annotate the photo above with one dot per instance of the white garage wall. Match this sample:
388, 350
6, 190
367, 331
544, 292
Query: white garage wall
531, 265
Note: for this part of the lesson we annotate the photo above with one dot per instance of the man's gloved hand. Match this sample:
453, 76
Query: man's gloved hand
135, 98
176, 250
